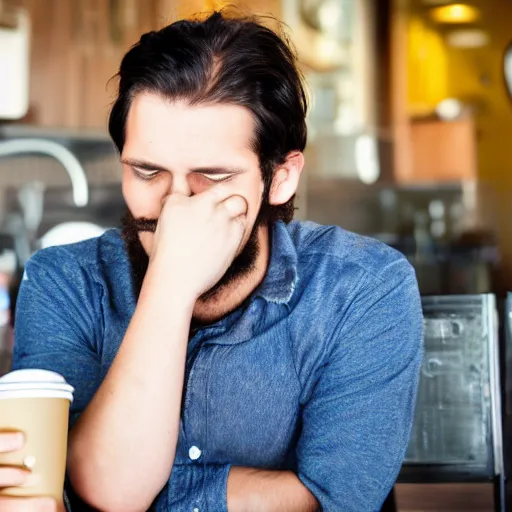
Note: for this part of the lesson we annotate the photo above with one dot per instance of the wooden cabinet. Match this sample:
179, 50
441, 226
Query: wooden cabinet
443, 151
77, 46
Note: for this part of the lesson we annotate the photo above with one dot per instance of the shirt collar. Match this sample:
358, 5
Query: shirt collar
281, 277
277, 288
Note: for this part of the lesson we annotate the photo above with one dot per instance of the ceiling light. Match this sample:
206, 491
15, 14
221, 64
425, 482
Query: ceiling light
449, 109
455, 13
468, 38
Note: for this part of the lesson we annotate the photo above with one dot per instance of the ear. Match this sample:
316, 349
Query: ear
286, 178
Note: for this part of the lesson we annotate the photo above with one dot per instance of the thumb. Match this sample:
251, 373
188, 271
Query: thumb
28, 505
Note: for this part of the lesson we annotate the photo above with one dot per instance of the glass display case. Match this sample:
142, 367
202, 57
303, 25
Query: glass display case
457, 430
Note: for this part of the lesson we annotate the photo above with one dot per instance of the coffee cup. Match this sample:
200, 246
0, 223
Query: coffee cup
36, 403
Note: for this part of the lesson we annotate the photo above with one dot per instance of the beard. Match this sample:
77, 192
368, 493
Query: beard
242, 265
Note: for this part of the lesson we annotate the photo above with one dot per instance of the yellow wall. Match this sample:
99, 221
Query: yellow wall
476, 77
437, 71
427, 67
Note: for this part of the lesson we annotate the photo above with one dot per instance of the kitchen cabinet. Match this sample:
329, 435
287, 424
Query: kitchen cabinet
443, 150
77, 46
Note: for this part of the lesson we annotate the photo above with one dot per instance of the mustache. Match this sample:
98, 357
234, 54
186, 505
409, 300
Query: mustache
144, 224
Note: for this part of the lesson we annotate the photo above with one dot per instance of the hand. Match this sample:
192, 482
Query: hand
198, 237
12, 477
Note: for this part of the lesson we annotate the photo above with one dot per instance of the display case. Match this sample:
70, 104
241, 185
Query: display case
457, 430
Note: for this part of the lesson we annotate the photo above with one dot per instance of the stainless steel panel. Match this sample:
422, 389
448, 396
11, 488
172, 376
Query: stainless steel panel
458, 412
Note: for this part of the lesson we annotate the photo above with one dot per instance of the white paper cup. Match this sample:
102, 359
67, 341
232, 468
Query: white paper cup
36, 402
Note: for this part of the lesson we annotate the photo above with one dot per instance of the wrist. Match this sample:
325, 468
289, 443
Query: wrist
240, 496
165, 283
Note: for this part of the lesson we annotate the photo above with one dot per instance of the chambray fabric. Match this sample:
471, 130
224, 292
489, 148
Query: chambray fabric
317, 372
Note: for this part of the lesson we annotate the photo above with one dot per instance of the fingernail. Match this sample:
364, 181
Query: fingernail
13, 441
19, 440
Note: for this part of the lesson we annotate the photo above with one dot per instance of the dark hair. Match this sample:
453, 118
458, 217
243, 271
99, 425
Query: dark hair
227, 60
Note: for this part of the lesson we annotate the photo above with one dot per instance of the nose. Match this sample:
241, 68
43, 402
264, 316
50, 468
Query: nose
180, 185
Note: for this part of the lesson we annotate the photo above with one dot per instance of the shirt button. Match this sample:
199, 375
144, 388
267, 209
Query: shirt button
194, 453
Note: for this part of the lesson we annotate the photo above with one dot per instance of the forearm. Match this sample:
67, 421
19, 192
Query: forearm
122, 449
253, 490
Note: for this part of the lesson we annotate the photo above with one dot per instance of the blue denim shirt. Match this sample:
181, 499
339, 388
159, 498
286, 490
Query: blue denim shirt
316, 373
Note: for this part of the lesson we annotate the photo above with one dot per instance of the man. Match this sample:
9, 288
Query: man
224, 358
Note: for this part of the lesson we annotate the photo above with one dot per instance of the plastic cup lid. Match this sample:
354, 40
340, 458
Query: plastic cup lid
41, 382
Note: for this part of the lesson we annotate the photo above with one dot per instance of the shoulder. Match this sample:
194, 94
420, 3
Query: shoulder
350, 283
356, 302
86, 269
347, 280
347, 254
90, 254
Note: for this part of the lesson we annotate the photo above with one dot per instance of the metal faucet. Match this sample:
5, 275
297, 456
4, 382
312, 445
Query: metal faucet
69, 161
31, 196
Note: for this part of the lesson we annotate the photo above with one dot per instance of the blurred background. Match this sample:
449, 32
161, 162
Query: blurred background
410, 142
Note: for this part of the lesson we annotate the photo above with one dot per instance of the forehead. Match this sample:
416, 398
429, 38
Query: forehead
163, 130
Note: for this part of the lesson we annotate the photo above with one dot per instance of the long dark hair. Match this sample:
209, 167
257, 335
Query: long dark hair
229, 60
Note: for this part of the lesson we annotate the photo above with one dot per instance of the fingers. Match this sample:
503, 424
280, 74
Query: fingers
11, 441
27, 505
218, 194
235, 206
214, 196
12, 477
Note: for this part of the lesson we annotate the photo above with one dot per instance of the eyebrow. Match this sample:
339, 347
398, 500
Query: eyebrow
151, 166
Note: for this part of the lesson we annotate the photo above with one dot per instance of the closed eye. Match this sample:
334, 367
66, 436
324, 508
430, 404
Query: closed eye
144, 174
217, 176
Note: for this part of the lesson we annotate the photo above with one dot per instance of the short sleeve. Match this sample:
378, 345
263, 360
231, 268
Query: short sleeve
58, 322
357, 422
